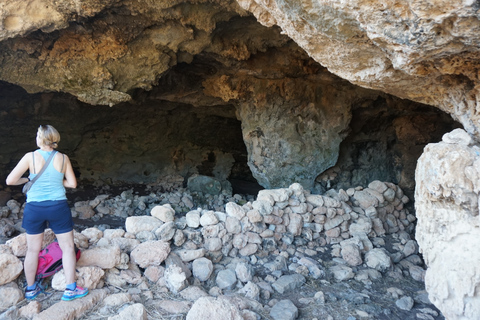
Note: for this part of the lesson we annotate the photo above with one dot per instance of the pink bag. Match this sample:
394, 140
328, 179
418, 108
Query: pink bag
50, 260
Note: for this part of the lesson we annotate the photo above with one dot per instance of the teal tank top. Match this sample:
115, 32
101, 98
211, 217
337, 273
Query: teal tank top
50, 184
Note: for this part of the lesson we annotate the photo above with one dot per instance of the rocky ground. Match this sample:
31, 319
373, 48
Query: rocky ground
313, 272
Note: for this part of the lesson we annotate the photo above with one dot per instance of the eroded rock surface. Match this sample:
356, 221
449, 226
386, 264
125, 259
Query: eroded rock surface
423, 51
448, 228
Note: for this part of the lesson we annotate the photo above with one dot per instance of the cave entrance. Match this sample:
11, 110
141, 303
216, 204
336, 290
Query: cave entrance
147, 141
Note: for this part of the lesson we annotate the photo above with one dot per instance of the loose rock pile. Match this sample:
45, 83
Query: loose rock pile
243, 262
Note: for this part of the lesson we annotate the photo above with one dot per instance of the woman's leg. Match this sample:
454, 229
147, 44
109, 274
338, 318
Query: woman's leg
69, 260
34, 245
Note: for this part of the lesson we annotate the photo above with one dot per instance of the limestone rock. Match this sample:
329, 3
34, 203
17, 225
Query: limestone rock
378, 259
150, 253
72, 309
175, 279
11, 295
30, 310
134, 312
87, 277
163, 213
143, 223
213, 309
11, 267
103, 257
284, 310
448, 228
226, 279
202, 268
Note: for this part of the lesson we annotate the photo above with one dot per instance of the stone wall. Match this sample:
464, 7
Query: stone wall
285, 236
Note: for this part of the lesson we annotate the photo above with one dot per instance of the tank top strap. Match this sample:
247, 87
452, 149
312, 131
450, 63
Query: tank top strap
33, 157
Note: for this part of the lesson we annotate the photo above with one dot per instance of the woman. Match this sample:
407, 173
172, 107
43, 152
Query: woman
47, 202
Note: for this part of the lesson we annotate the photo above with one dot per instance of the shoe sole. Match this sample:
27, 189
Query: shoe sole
75, 297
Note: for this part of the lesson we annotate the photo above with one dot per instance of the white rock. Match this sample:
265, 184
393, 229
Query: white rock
133, 312
136, 224
213, 244
234, 210
448, 225
378, 259
250, 290
378, 186
351, 254
202, 269
193, 219
315, 200
150, 253
87, 277
244, 272
102, 257
296, 224
175, 279
226, 279
164, 213
341, 272
458, 136
275, 195
190, 255
263, 207
214, 309
208, 218
113, 233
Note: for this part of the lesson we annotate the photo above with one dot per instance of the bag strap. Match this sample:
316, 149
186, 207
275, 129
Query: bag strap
44, 167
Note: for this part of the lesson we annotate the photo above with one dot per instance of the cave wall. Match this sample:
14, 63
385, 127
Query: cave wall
142, 143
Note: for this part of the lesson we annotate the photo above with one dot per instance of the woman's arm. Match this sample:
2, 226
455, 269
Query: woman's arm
70, 181
15, 177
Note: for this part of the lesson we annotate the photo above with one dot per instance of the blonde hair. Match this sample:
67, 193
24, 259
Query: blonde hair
48, 135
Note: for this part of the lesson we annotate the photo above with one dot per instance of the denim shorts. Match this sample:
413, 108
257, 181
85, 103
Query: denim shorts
56, 215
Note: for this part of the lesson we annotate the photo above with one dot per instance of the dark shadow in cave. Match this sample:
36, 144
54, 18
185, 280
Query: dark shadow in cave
386, 138
134, 143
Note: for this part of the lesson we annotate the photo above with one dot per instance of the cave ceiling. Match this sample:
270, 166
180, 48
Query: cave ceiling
99, 51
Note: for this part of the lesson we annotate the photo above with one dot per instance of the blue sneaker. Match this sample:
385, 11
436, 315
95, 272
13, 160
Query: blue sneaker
32, 294
79, 292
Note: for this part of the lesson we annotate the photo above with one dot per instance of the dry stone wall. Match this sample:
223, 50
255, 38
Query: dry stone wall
282, 231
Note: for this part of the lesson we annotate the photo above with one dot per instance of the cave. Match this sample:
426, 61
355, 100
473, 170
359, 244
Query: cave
149, 139
308, 107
